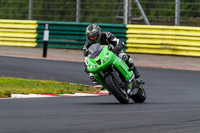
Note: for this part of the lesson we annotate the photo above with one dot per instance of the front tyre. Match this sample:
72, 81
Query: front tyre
116, 90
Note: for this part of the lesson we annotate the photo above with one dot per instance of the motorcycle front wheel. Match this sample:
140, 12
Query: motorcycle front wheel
116, 90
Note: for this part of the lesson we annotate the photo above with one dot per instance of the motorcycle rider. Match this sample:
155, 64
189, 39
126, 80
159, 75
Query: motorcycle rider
95, 35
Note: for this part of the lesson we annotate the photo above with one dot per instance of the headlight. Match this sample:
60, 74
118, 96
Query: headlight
106, 58
92, 66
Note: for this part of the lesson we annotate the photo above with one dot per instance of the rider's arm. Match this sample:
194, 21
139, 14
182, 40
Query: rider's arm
85, 49
118, 44
85, 52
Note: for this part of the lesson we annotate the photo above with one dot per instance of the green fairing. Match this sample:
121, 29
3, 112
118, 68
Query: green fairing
108, 58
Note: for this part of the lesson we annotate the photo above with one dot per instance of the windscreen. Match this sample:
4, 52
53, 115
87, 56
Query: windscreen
94, 50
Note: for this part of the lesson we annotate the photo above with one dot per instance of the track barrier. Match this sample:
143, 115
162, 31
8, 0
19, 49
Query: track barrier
18, 33
72, 35
149, 39
168, 40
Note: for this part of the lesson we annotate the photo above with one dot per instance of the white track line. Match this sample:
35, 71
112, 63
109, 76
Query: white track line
58, 95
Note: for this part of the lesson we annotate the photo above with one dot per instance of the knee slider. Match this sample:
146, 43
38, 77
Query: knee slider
124, 57
130, 61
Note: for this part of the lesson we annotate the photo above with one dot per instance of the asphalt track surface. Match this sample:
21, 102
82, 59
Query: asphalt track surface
172, 105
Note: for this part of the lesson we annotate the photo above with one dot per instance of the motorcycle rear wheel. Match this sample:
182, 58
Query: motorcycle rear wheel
115, 90
140, 97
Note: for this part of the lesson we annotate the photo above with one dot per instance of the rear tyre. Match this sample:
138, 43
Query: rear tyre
116, 91
140, 97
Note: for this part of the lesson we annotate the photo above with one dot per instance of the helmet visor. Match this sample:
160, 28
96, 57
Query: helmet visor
93, 37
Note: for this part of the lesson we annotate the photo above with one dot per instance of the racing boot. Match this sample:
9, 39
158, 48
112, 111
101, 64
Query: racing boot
132, 67
129, 62
95, 82
136, 72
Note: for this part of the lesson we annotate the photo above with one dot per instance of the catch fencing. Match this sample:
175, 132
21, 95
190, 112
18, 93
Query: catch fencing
158, 12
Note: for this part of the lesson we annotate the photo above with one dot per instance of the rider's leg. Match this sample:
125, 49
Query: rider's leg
129, 62
94, 81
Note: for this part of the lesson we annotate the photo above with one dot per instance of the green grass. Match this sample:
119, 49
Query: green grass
10, 86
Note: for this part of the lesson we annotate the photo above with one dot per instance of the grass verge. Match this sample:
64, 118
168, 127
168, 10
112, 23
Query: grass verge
10, 86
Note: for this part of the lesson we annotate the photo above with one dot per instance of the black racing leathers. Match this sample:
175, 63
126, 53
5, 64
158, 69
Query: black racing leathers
106, 39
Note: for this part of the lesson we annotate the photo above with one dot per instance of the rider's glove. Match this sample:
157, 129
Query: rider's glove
117, 49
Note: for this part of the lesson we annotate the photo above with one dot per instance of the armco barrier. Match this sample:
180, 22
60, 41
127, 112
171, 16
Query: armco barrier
170, 40
18, 33
72, 35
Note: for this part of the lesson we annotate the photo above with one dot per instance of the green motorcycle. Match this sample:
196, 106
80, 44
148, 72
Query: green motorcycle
114, 74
